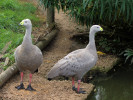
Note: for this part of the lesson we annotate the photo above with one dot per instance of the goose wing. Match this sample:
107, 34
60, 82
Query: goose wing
71, 64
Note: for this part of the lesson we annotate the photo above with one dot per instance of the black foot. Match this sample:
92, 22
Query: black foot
21, 86
30, 88
81, 92
75, 89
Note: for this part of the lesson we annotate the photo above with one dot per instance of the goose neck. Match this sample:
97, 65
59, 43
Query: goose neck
91, 45
27, 38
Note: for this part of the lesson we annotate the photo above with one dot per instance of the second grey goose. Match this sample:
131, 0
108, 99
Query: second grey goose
78, 62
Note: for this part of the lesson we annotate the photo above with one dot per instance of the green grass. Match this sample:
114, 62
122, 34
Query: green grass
12, 12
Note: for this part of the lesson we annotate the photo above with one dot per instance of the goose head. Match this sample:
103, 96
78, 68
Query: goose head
95, 29
26, 22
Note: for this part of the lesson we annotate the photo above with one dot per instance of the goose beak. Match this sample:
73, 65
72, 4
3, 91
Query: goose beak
21, 23
101, 28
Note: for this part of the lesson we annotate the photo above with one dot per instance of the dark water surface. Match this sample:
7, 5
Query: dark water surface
118, 87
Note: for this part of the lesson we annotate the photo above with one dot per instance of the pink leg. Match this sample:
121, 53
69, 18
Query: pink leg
73, 85
78, 85
73, 82
21, 86
78, 89
22, 76
29, 86
30, 78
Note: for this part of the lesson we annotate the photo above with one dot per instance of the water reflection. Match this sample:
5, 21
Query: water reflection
100, 94
119, 87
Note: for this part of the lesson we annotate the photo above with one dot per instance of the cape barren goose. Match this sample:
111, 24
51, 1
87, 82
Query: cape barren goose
27, 56
78, 62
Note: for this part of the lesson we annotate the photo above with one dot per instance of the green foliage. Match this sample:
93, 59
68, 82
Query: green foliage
7, 36
10, 17
96, 11
12, 12
128, 54
8, 4
104, 44
109, 45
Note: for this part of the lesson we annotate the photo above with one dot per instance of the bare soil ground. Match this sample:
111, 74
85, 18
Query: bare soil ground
48, 90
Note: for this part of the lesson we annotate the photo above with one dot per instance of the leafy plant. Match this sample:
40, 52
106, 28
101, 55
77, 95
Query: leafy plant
108, 44
128, 54
95, 11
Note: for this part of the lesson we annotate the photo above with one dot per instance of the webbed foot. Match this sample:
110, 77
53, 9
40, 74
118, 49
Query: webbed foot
81, 92
21, 86
30, 88
74, 89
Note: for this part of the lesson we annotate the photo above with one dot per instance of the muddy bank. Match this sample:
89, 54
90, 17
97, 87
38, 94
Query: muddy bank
105, 63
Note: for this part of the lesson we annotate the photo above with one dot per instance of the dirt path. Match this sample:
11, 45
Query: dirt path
61, 45
48, 90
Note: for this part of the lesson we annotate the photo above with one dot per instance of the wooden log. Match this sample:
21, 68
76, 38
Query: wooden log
4, 76
47, 39
8, 73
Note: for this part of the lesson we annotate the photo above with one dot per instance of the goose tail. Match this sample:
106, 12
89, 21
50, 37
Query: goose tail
53, 73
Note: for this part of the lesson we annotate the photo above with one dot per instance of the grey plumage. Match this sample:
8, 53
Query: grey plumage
78, 62
28, 56
28, 59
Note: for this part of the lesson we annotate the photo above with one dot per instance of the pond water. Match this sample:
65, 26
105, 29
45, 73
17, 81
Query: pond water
117, 87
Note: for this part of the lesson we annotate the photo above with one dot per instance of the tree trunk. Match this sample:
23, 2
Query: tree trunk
50, 16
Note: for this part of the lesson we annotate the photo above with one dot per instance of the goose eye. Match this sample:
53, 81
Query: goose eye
25, 21
97, 27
